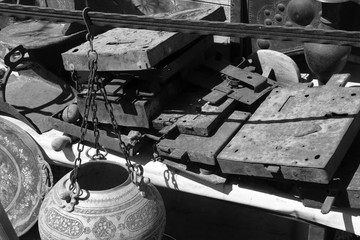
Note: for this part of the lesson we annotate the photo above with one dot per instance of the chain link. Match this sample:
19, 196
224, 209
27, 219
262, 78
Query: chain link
115, 126
74, 77
84, 123
94, 90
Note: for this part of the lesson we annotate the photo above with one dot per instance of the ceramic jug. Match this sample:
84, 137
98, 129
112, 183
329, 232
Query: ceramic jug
109, 206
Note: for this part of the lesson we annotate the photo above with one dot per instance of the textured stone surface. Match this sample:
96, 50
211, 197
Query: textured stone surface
305, 131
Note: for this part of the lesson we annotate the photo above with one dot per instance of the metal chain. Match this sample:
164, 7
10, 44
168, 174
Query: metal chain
89, 105
92, 56
84, 123
95, 85
94, 80
116, 129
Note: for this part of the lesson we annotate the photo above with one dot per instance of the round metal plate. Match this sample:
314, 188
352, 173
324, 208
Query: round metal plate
25, 177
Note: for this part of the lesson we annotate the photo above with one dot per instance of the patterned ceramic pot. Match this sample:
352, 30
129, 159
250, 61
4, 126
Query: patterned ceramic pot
110, 206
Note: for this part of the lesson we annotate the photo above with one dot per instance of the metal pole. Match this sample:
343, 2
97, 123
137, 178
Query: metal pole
7, 232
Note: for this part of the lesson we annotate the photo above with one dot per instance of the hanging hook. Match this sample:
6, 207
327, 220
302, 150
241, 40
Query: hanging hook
89, 27
87, 20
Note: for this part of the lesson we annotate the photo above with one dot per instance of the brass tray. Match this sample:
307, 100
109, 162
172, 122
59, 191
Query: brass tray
25, 177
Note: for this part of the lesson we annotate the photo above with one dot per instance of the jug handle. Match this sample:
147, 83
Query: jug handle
70, 197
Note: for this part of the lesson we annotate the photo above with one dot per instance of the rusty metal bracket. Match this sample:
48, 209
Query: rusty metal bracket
239, 84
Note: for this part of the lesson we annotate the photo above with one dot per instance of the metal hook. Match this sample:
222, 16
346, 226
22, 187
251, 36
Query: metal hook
88, 24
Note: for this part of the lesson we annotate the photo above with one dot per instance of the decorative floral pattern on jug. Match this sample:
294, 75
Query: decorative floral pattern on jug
120, 212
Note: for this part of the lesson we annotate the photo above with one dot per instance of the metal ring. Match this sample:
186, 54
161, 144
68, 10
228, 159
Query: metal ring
139, 170
12, 62
92, 55
92, 156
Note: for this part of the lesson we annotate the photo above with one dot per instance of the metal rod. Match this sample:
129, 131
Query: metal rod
202, 27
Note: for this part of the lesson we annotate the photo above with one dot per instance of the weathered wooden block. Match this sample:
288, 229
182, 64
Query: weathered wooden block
296, 133
202, 149
124, 49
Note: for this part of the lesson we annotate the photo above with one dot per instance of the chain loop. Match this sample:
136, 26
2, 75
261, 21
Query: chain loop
97, 156
116, 129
